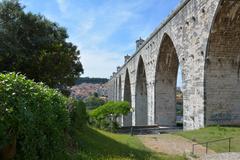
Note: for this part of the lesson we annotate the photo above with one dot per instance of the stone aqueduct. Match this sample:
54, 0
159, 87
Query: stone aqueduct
203, 37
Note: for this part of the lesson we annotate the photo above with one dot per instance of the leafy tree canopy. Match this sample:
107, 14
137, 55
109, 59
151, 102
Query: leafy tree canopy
111, 108
33, 45
105, 116
93, 102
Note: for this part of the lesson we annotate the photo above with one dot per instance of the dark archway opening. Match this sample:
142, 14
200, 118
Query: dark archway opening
115, 89
167, 104
222, 67
119, 89
141, 108
127, 120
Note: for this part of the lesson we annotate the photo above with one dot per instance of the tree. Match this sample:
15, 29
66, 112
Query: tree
34, 46
93, 102
95, 94
105, 116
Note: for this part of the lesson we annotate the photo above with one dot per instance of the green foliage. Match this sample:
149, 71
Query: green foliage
95, 94
78, 114
35, 115
111, 109
179, 109
78, 117
36, 47
105, 116
91, 80
93, 102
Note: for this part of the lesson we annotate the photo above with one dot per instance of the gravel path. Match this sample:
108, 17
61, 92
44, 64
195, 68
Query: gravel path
171, 144
177, 145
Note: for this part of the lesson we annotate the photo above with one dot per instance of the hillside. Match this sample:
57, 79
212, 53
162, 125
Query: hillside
83, 90
90, 80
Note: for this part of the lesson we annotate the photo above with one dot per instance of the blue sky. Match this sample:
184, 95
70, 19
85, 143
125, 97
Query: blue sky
104, 30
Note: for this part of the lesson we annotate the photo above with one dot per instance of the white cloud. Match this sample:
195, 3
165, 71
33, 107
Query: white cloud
86, 25
95, 28
62, 5
91, 27
99, 24
100, 63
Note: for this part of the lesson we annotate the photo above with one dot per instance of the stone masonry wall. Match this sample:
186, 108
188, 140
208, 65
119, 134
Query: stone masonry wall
208, 53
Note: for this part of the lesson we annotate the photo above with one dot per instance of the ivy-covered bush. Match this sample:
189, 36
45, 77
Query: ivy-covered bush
105, 116
34, 116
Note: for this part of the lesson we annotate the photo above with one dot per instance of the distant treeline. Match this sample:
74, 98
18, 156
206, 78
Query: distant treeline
91, 80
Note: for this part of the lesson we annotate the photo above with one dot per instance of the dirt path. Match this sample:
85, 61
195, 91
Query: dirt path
222, 156
171, 144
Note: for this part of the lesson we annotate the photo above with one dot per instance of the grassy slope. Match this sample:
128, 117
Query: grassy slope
214, 133
101, 145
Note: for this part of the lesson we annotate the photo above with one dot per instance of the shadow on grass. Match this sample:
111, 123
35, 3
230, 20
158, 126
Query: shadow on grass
95, 145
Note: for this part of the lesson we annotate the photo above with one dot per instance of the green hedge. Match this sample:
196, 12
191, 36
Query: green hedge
35, 116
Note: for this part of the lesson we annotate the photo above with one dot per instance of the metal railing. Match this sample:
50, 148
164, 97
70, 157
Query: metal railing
207, 144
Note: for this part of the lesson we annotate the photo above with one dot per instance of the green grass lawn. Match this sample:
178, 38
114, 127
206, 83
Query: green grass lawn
214, 133
101, 145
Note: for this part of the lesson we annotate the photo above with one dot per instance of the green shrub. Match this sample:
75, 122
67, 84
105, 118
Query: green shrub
35, 115
78, 114
78, 119
105, 116
93, 102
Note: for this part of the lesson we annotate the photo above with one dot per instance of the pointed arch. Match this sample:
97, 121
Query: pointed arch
127, 120
141, 104
119, 89
165, 83
115, 89
222, 67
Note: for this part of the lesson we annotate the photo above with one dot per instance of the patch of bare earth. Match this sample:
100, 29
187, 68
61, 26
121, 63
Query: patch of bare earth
171, 144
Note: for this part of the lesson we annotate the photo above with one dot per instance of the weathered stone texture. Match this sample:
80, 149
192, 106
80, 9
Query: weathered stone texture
222, 83
141, 109
165, 84
204, 39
